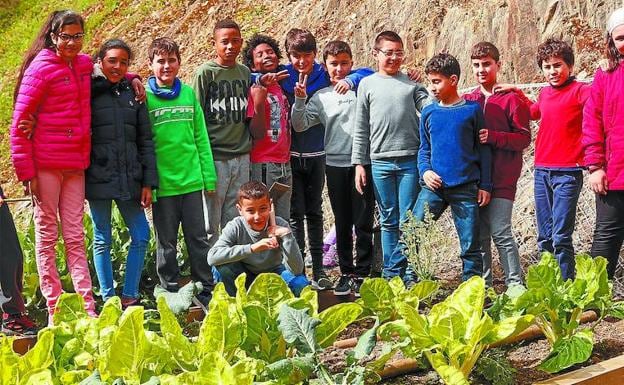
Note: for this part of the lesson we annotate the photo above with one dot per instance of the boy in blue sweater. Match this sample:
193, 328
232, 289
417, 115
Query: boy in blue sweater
454, 166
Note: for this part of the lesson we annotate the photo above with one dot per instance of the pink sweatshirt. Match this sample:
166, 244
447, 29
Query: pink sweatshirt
59, 96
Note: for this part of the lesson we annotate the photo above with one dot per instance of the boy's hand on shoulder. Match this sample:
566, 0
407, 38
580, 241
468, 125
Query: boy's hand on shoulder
300, 87
432, 180
504, 87
483, 135
271, 78
342, 87
598, 181
278, 231
483, 198
414, 75
265, 244
139, 90
258, 93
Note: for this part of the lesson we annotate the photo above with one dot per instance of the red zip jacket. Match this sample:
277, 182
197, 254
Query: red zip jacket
507, 122
603, 126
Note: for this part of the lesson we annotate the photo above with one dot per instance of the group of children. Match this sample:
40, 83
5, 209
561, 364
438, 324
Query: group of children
219, 158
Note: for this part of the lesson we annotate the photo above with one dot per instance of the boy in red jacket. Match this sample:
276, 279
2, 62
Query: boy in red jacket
507, 132
558, 151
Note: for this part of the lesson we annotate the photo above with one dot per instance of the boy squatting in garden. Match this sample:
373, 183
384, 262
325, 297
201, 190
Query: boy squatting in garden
335, 112
453, 165
508, 133
251, 244
385, 135
185, 169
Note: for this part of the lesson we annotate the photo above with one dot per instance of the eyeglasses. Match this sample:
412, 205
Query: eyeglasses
65, 37
390, 54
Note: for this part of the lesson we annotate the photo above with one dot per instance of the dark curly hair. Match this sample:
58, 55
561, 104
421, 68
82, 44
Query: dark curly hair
555, 48
255, 41
445, 64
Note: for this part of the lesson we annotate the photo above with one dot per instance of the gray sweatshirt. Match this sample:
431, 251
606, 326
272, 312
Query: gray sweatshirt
387, 117
235, 242
336, 113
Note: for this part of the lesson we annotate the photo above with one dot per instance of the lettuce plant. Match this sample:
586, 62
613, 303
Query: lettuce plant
558, 305
454, 333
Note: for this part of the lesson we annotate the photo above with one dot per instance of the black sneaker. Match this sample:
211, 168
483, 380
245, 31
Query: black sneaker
18, 325
357, 283
321, 281
344, 285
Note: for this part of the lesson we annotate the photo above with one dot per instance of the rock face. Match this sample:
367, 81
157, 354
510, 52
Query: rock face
427, 27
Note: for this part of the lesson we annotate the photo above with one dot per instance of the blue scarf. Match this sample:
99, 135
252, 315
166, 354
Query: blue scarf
165, 93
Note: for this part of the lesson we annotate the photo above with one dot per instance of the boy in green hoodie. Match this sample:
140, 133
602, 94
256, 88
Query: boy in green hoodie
185, 169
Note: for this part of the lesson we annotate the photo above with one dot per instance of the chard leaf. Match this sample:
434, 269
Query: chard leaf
69, 308
70, 349
334, 320
424, 290
568, 351
241, 290
397, 285
93, 379
221, 330
181, 300
40, 356
449, 374
467, 299
270, 291
417, 325
399, 331
215, 370
263, 337
298, 328
182, 350
377, 295
507, 328
616, 310
289, 370
448, 326
546, 275
110, 313
73, 377
125, 355
308, 299
37, 377
157, 354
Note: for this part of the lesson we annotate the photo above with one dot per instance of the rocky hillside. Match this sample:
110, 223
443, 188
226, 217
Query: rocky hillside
428, 26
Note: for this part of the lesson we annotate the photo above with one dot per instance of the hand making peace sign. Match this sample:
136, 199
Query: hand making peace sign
300, 87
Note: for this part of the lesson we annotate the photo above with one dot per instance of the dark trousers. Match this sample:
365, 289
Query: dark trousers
11, 265
169, 213
609, 231
352, 209
306, 204
556, 196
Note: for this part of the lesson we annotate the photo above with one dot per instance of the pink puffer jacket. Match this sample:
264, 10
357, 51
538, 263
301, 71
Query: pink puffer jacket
603, 126
59, 96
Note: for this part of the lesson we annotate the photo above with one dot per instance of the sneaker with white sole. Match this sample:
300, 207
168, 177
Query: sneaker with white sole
321, 281
344, 285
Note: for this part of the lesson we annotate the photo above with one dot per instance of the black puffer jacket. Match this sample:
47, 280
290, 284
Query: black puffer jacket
122, 151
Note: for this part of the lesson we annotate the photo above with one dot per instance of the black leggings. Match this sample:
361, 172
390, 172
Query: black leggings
609, 231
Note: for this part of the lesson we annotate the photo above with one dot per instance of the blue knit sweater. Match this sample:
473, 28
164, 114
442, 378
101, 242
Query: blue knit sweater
449, 145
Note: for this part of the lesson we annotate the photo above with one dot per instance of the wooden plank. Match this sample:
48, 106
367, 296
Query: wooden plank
327, 298
22, 344
609, 372
195, 313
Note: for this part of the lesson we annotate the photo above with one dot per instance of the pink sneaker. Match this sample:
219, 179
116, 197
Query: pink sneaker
330, 257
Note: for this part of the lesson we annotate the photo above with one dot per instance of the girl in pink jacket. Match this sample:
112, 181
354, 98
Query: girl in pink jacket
603, 141
54, 88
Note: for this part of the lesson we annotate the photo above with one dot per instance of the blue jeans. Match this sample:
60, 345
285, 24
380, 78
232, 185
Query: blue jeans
396, 189
556, 195
228, 272
134, 216
465, 209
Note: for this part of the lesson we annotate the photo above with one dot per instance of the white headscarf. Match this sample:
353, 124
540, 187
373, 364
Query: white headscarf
615, 20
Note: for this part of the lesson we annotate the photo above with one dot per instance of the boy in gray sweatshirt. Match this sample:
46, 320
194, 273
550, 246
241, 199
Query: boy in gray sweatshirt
251, 244
385, 135
351, 208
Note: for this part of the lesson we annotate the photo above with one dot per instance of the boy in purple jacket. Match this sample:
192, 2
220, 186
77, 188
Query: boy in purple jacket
507, 132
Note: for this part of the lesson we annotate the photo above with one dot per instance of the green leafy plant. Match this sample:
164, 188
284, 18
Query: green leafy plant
494, 367
382, 298
454, 333
558, 305
423, 242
